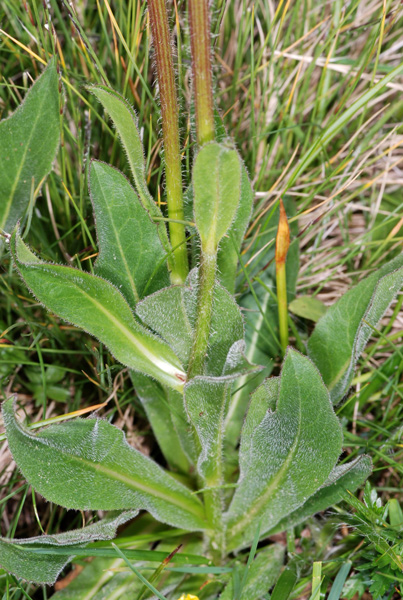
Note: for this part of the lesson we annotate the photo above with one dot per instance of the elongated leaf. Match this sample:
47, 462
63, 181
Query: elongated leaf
125, 121
206, 399
291, 454
216, 190
99, 308
342, 333
172, 313
16, 558
343, 477
130, 252
262, 574
230, 246
154, 399
29, 140
86, 464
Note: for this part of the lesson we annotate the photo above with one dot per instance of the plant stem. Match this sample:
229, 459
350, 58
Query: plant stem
207, 273
170, 129
199, 21
282, 245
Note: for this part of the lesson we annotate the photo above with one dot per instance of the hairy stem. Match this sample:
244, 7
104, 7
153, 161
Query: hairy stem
170, 130
199, 20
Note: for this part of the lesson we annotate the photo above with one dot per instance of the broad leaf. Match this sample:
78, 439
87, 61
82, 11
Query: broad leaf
130, 252
262, 574
172, 314
343, 477
29, 140
230, 246
125, 121
216, 191
159, 410
15, 555
291, 453
343, 332
98, 307
103, 472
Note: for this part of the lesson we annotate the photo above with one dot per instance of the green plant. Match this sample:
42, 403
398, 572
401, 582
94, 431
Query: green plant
185, 346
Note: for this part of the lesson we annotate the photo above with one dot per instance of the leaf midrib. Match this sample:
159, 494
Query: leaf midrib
22, 162
275, 483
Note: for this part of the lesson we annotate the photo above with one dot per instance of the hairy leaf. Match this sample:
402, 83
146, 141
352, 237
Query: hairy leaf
125, 121
29, 140
291, 453
172, 313
15, 555
230, 246
130, 252
96, 306
342, 333
343, 477
262, 574
87, 464
216, 190
160, 414
206, 399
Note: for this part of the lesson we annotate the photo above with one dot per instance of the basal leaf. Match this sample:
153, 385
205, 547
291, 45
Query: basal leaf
343, 477
342, 333
172, 314
216, 192
230, 246
15, 555
289, 455
29, 140
125, 121
130, 252
262, 574
98, 307
87, 464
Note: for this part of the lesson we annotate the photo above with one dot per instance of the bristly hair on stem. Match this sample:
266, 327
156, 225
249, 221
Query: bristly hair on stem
170, 129
200, 40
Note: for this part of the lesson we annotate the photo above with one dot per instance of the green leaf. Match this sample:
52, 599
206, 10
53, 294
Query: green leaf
291, 453
230, 246
96, 306
343, 332
172, 314
307, 307
29, 140
125, 121
103, 472
98, 581
130, 252
262, 574
206, 399
154, 399
344, 477
216, 190
15, 555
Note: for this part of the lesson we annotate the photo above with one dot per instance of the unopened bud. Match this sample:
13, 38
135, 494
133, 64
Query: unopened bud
283, 237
